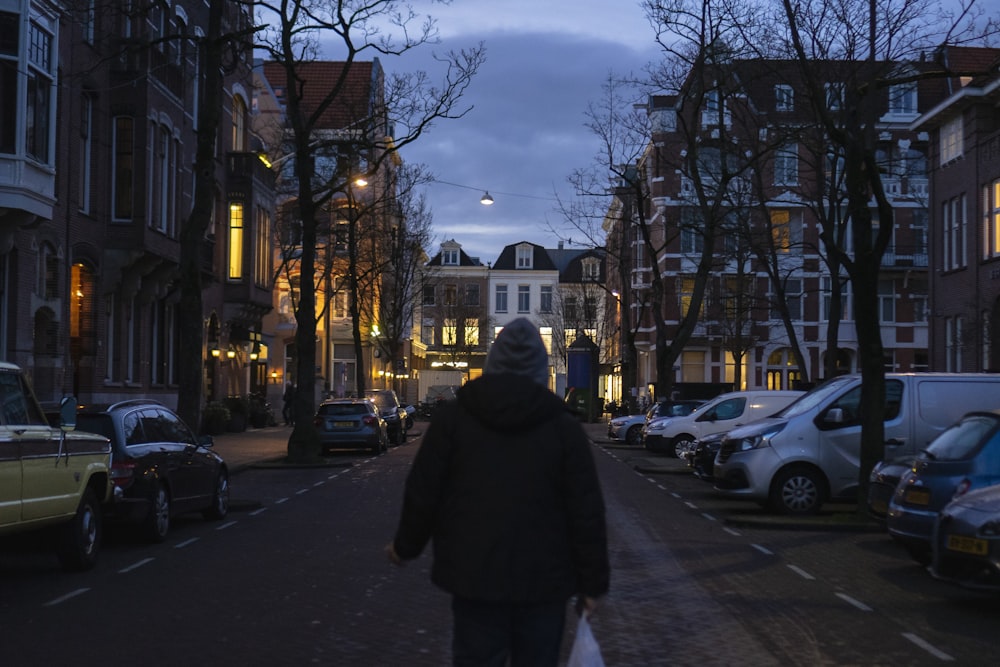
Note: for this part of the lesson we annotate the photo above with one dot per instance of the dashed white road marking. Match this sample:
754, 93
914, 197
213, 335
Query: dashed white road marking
675, 495
256, 512
63, 598
853, 602
690, 504
937, 653
802, 573
134, 566
733, 532
301, 491
280, 500
319, 483
181, 545
762, 549
228, 524
708, 516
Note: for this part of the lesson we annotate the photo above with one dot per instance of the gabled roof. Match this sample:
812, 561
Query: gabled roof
318, 78
463, 258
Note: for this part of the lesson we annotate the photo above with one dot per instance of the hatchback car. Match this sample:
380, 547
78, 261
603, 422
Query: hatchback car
159, 468
966, 541
351, 423
629, 427
392, 411
701, 457
964, 457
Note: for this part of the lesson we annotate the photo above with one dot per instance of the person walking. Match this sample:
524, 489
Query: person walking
287, 412
505, 487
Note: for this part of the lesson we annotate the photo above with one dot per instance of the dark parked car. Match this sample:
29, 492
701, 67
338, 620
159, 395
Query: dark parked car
965, 456
159, 468
701, 459
351, 423
629, 427
392, 411
966, 541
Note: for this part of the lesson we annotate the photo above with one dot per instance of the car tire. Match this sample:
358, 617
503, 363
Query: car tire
376, 449
681, 444
633, 436
156, 525
799, 490
220, 498
80, 538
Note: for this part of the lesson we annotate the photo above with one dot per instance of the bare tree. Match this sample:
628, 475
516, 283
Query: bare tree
394, 118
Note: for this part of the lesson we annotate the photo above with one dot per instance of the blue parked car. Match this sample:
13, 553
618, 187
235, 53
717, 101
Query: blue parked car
963, 457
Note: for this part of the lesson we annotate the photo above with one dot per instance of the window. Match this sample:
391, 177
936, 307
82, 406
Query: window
523, 298
524, 257
781, 233
239, 124
111, 338
235, 240
685, 295
545, 299
571, 309
501, 299
793, 300
886, 301
262, 248
692, 239
784, 98
39, 93
471, 332
591, 269
953, 227
427, 331
48, 271
123, 168
834, 96
428, 299
845, 304
991, 219
9, 51
903, 98
83, 307
472, 294
449, 257
952, 140
450, 295
786, 165
449, 332
86, 142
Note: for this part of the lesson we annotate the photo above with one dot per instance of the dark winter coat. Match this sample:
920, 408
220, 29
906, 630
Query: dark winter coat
505, 486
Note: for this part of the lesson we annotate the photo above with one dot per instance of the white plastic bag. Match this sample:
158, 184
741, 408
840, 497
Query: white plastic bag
585, 652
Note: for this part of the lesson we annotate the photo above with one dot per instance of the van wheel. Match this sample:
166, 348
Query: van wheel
80, 538
797, 490
682, 445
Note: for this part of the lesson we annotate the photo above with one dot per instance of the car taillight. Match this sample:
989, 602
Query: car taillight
122, 472
369, 420
962, 488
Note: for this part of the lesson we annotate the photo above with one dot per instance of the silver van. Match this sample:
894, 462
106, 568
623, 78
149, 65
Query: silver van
676, 435
810, 452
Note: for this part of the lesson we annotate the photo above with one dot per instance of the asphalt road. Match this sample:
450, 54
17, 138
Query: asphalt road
296, 575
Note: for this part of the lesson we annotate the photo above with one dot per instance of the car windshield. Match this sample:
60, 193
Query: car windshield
817, 396
962, 440
100, 424
382, 399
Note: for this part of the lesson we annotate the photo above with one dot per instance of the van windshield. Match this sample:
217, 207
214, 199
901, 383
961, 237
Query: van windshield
817, 396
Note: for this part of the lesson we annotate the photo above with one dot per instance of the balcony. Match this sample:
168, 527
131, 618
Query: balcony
905, 257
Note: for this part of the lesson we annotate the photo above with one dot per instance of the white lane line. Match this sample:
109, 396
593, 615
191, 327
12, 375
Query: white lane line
675, 495
256, 512
319, 483
802, 573
134, 566
651, 480
301, 491
181, 545
734, 532
708, 516
661, 487
690, 504
280, 500
940, 655
60, 600
228, 524
763, 550
854, 603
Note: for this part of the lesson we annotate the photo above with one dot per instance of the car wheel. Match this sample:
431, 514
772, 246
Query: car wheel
633, 436
220, 498
376, 447
80, 539
682, 445
157, 523
798, 490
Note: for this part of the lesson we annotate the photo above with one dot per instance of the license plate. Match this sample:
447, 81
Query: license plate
343, 424
968, 545
917, 496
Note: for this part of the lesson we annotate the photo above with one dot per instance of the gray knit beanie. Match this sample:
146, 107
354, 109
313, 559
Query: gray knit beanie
519, 350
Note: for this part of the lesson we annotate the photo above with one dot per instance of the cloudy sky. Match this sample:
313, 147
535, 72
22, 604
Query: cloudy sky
545, 61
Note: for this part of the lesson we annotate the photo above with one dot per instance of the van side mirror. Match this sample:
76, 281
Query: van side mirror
834, 416
67, 413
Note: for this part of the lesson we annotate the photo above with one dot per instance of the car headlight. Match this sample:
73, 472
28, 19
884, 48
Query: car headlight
758, 440
617, 422
656, 426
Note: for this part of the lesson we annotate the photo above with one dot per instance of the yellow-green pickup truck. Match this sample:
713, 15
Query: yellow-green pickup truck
50, 477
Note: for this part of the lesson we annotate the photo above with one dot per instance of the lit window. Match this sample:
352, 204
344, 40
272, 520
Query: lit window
235, 241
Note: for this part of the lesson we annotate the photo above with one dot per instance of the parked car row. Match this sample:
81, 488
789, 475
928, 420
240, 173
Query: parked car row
629, 427
938, 488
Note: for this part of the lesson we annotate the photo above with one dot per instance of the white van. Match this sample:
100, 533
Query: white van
810, 452
676, 435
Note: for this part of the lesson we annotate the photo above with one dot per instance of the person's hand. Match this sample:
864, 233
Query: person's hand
585, 605
390, 551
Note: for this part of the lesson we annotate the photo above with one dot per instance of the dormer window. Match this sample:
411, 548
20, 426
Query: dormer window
591, 269
784, 98
525, 256
449, 257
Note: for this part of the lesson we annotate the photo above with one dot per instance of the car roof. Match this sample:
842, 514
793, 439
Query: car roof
129, 403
